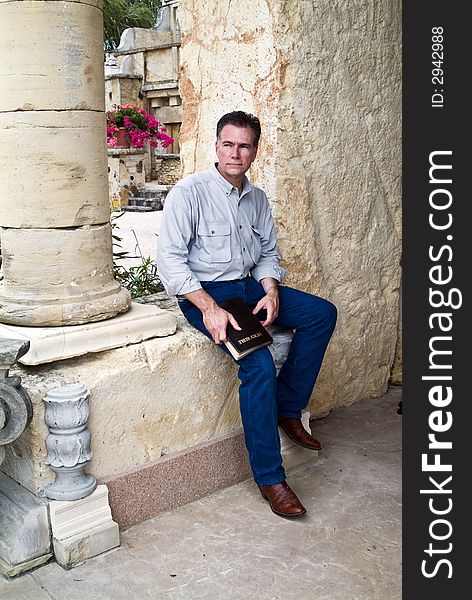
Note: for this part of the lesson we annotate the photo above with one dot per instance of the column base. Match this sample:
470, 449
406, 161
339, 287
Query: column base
28, 312
48, 344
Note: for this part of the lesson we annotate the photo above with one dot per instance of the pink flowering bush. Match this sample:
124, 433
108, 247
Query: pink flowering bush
139, 124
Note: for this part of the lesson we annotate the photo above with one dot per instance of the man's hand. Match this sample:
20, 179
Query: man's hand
215, 318
269, 302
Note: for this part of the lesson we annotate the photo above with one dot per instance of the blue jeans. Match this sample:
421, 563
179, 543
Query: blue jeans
262, 394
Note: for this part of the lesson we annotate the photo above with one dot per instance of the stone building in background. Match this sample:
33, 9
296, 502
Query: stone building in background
144, 71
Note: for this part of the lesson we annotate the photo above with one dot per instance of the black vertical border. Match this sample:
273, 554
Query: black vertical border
427, 129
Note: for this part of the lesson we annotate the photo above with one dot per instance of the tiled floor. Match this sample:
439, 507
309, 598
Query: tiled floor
230, 546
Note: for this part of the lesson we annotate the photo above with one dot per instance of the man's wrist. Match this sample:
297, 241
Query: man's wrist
270, 285
202, 300
210, 308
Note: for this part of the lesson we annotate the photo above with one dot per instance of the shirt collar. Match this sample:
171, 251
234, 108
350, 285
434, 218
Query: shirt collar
226, 185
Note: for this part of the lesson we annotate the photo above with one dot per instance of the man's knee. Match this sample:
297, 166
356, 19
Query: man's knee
324, 313
331, 312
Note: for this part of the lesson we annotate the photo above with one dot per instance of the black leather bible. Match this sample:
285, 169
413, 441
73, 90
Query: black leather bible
253, 334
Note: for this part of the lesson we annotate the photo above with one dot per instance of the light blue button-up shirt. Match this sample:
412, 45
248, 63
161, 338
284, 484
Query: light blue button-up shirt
211, 233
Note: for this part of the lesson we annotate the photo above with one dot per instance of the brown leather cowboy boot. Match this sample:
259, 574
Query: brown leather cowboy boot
282, 500
298, 434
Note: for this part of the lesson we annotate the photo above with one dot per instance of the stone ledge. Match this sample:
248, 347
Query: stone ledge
185, 476
126, 151
165, 421
49, 344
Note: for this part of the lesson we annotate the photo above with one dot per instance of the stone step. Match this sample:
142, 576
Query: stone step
156, 187
138, 203
138, 208
144, 193
150, 197
140, 200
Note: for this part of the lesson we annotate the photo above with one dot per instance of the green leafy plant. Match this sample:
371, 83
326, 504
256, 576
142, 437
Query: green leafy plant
140, 280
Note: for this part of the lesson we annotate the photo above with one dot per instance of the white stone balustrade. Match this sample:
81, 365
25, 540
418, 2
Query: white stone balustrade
81, 521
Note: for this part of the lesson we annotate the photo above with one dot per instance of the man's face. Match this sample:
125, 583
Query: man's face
235, 151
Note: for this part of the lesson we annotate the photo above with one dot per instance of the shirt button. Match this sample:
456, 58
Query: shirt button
240, 227
244, 249
212, 231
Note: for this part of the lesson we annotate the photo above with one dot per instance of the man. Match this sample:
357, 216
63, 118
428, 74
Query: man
217, 241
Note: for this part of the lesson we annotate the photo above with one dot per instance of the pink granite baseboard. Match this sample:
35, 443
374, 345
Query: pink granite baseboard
176, 479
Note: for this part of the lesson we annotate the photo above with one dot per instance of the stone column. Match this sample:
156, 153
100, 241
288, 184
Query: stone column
54, 208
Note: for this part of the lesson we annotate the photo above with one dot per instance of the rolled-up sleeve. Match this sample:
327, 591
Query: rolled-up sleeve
268, 264
173, 242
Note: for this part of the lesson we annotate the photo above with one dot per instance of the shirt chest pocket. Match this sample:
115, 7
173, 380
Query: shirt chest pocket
215, 242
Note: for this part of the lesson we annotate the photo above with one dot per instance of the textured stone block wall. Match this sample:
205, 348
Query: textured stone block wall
130, 90
167, 171
324, 78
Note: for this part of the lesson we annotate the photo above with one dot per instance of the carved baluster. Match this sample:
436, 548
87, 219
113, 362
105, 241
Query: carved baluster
68, 442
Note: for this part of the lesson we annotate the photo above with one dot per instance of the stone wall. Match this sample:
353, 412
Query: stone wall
325, 81
126, 174
148, 400
397, 368
144, 70
167, 170
123, 90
